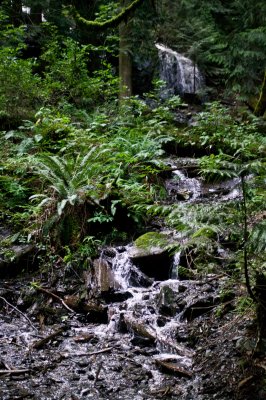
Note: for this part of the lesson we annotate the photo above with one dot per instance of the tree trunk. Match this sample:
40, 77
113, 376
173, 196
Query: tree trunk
261, 104
125, 59
16, 12
36, 14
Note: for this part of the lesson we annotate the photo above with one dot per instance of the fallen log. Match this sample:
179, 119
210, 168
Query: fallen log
139, 328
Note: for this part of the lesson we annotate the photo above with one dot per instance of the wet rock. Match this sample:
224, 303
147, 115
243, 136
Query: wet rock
151, 255
220, 189
100, 278
182, 335
166, 301
161, 321
108, 252
74, 377
116, 297
83, 363
96, 312
141, 341
15, 259
139, 279
103, 275
199, 307
182, 288
176, 192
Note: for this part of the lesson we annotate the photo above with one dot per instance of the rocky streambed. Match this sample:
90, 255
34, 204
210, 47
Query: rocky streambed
131, 326
165, 341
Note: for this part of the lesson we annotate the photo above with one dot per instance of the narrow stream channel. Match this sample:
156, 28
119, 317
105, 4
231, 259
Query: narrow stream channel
141, 350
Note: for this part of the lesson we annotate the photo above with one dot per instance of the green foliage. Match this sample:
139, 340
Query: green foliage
71, 186
226, 39
257, 239
19, 93
102, 171
67, 75
15, 177
78, 258
48, 132
90, 165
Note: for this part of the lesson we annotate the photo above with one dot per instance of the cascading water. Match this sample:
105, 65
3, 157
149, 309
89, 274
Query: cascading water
181, 74
180, 186
140, 312
139, 337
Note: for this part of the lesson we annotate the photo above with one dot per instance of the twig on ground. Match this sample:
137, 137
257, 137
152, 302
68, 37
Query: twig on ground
97, 373
93, 352
20, 312
13, 371
41, 289
40, 343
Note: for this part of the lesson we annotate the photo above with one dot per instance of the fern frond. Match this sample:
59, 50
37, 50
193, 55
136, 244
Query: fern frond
257, 239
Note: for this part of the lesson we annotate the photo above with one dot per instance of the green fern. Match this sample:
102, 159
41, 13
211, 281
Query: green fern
70, 180
257, 239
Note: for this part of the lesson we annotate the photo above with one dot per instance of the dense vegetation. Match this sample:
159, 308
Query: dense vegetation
80, 169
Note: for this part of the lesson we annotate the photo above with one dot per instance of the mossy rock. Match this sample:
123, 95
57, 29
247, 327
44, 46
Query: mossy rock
152, 243
151, 254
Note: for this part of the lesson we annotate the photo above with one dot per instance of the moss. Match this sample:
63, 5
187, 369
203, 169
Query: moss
206, 232
151, 240
110, 23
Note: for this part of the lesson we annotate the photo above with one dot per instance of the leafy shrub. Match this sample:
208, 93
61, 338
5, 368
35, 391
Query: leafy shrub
19, 87
66, 75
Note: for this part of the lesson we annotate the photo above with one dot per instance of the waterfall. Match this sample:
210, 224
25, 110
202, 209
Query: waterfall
181, 74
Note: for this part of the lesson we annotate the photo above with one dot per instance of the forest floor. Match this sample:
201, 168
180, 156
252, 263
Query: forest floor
75, 361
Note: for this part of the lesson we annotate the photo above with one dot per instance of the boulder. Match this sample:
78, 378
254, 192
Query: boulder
151, 254
100, 278
166, 301
96, 312
16, 259
103, 275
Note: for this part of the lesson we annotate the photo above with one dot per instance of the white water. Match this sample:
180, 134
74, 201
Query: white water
191, 185
180, 73
181, 187
142, 309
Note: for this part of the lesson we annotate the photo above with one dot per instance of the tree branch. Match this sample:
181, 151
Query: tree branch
110, 23
261, 104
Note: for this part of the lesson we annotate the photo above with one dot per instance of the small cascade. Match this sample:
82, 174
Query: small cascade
182, 187
141, 308
181, 74
150, 313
